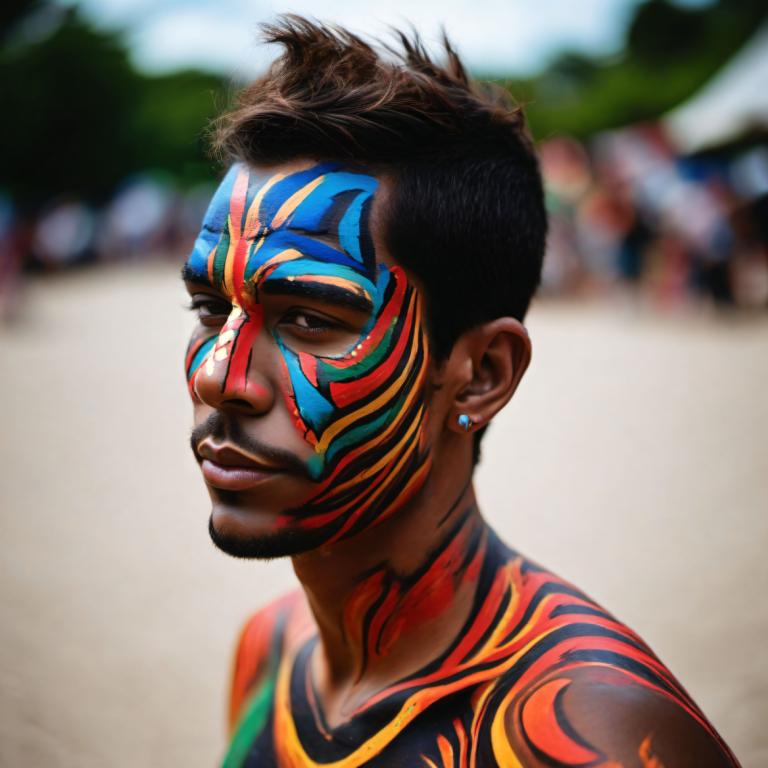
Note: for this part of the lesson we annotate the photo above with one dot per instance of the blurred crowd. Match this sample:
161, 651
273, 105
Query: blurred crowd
148, 217
673, 219
627, 215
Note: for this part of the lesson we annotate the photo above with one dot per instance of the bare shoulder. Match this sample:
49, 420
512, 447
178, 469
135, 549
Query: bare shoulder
261, 643
581, 688
604, 717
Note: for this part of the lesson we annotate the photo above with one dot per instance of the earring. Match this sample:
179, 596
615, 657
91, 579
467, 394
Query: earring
464, 421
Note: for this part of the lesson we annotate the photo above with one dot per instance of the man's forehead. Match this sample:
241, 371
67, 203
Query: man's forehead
321, 211
305, 192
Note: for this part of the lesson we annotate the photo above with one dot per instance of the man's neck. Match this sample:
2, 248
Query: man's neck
389, 601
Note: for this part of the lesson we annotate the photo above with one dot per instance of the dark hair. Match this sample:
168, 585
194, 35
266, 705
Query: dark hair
465, 212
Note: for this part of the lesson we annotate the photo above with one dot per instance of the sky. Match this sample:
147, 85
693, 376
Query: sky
493, 36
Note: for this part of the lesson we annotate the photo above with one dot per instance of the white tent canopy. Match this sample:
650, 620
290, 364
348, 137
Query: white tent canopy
734, 101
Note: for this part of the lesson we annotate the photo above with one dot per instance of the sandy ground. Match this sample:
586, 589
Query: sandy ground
633, 461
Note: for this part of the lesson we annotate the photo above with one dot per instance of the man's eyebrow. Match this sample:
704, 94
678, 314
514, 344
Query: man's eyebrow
321, 291
189, 275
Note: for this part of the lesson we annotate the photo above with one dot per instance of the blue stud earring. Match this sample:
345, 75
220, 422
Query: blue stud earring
464, 422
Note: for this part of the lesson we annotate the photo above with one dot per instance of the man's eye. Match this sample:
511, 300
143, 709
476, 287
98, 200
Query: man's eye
308, 322
210, 308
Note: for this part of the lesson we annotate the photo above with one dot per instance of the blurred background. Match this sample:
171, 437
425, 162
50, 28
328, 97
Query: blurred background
634, 459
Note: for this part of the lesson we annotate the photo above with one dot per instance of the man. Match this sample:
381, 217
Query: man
360, 282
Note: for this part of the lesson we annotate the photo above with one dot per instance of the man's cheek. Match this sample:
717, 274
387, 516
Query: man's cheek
309, 409
343, 406
199, 352
313, 407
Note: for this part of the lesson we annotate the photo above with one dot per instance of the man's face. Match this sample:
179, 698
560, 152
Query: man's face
307, 365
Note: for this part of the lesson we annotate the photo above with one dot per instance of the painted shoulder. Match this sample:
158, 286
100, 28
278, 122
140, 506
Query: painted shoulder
604, 718
262, 642
592, 692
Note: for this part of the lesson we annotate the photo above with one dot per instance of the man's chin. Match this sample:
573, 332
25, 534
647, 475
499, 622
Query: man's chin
262, 545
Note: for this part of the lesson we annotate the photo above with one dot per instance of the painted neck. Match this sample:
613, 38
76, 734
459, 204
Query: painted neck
393, 598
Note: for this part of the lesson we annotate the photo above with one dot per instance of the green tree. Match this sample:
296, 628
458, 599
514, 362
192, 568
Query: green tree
79, 118
670, 52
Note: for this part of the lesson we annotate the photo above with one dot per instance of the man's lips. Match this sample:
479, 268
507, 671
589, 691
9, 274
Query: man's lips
229, 469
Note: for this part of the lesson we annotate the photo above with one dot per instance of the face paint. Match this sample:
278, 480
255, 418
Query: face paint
362, 409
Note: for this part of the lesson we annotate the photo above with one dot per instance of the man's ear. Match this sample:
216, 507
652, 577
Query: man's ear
488, 363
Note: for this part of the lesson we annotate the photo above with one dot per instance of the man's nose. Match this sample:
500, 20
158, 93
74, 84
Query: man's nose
232, 377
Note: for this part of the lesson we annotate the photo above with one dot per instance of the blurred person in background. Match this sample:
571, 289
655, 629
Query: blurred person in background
11, 255
360, 282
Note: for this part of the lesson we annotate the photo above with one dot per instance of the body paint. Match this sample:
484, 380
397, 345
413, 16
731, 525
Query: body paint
385, 606
496, 696
363, 409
